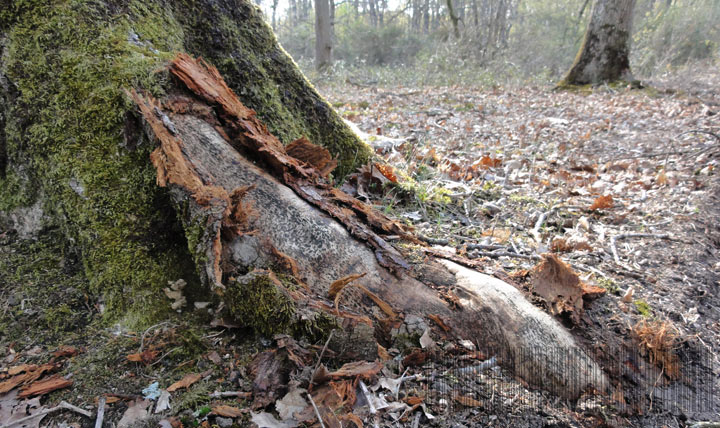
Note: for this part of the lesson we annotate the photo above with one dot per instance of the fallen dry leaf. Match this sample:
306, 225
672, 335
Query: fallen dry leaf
185, 382
66, 351
25, 374
440, 322
146, 357
387, 172
628, 296
413, 400
364, 369
337, 286
316, 156
137, 411
468, 401
602, 202
383, 353
228, 411
560, 286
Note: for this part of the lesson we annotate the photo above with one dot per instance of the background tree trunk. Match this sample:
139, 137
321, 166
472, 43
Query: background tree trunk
604, 54
453, 19
323, 35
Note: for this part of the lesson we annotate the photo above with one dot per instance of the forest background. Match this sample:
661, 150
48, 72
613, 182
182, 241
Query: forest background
500, 41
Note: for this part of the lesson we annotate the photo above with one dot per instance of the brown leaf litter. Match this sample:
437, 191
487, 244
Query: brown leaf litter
561, 288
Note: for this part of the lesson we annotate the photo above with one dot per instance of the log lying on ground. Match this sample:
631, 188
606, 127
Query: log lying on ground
249, 208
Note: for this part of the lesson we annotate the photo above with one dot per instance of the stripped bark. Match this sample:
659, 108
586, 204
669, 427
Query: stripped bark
212, 147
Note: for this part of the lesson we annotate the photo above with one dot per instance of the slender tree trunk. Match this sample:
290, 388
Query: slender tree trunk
274, 13
426, 16
332, 22
453, 19
323, 34
475, 13
604, 54
372, 9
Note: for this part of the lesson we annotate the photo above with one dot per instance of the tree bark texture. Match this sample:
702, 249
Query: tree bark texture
604, 54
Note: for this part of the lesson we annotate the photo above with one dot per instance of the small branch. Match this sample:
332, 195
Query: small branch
317, 412
496, 254
322, 352
699, 131
366, 393
100, 412
373, 410
433, 241
539, 223
149, 329
416, 420
226, 394
484, 247
614, 239
61, 406
485, 365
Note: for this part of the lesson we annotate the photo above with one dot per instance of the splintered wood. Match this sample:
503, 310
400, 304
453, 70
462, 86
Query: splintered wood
301, 166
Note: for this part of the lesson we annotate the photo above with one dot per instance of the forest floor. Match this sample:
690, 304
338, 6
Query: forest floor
617, 182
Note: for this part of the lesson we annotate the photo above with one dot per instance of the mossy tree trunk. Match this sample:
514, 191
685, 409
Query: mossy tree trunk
72, 151
604, 53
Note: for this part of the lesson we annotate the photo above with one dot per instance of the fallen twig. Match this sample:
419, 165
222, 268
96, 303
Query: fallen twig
485, 365
416, 420
149, 329
317, 412
699, 131
496, 254
373, 410
491, 247
535, 232
61, 406
225, 394
614, 239
100, 412
433, 241
322, 352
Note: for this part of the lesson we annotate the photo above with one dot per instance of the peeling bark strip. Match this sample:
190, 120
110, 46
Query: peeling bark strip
302, 172
242, 215
223, 210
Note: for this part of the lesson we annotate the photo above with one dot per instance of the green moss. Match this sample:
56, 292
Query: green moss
43, 290
643, 308
235, 38
609, 284
256, 301
71, 61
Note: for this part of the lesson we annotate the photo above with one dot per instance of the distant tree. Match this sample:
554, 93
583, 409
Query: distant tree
454, 19
604, 54
323, 34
